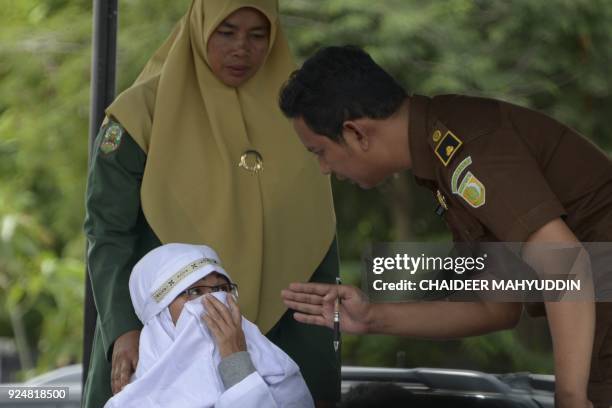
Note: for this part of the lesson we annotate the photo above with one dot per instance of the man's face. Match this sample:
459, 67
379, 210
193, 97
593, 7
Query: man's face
238, 46
347, 160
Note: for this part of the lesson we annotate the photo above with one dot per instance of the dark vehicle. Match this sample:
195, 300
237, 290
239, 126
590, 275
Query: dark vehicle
429, 387
433, 387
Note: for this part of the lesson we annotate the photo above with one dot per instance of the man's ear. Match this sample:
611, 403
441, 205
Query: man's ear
355, 132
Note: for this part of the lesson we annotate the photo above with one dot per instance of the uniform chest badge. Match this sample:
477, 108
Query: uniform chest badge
441, 200
442, 205
447, 145
471, 189
112, 139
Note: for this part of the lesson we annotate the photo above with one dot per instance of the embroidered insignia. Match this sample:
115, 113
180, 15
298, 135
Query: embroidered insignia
168, 285
472, 190
437, 135
460, 168
447, 147
112, 139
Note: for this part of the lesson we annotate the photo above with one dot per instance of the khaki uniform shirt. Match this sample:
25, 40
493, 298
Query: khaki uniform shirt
503, 171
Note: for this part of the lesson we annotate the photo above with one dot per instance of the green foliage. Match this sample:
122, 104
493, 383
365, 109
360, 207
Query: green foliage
551, 55
44, 71
42, 292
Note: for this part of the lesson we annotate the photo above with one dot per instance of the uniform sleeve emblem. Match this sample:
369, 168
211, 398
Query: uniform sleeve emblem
460, 168
470, 189
112, 139
448, 145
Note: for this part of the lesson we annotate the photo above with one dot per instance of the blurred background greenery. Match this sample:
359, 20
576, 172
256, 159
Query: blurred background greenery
554, 56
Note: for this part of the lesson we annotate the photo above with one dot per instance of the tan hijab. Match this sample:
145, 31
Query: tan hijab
271, 227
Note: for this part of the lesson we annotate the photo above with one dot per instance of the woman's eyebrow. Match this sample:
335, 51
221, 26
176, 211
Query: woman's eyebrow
231, 26
225, 24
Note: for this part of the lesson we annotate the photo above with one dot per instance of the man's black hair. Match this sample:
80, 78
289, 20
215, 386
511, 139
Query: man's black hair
338, 84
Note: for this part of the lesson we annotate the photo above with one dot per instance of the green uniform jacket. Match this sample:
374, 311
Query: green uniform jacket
119, 235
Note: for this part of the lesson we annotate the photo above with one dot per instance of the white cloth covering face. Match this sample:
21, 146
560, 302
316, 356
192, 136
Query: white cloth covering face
177, 365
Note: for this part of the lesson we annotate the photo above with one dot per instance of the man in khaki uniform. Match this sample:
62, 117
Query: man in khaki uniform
498, 172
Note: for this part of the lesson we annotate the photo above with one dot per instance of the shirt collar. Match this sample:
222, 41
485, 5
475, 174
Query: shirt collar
419, 129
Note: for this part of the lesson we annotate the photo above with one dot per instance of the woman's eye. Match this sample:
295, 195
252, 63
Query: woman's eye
195, 292
258, 36
225, 33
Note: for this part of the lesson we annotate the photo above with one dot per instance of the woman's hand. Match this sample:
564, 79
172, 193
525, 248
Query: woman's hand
225, 324
125, 359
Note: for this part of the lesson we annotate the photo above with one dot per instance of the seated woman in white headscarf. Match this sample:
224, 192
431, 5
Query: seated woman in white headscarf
196, 350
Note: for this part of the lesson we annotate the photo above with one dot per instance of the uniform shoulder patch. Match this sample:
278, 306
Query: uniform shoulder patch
112, 138
447, 146
471, 189
457, 173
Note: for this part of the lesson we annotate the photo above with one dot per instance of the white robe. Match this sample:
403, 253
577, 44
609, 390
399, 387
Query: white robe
178, 365
182, 372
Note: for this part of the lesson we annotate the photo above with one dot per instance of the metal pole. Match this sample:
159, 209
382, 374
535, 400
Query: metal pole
103, 68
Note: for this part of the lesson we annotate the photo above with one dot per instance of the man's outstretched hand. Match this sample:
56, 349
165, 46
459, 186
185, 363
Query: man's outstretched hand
314, 304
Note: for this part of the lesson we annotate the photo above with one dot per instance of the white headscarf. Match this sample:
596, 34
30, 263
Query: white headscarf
177, 365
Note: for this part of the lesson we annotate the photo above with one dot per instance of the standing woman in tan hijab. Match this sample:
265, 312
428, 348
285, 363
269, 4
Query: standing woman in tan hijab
197, 151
